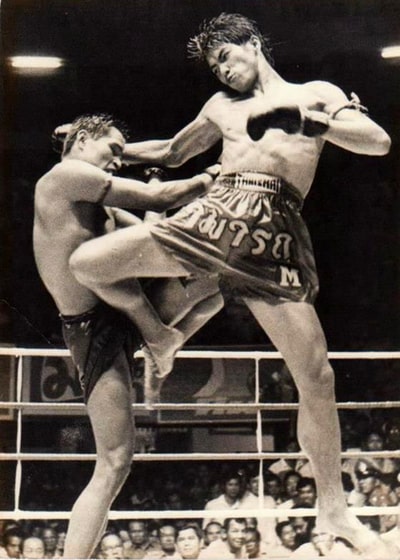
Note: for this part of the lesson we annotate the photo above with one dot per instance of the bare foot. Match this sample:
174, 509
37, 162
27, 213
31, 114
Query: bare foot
152, 380
164, 351
366, 542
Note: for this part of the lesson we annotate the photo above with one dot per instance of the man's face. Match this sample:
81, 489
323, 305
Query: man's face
188, 543
306, 495
272, 488
251, 545
50, 539
235, 66
374, 442
111, 547
213, 532
13, 547
291, 486
299, 525
232, 488
104, 152
235, 535
167, 538
33, 548
254, 485
137, 533
288, 536
366, 484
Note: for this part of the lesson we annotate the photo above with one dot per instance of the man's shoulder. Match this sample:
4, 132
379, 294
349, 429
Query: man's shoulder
325, 90
215, 102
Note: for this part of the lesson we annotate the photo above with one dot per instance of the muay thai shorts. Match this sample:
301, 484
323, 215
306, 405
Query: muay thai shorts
95, 338
248, 229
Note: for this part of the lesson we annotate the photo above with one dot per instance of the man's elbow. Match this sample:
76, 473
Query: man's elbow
380, 146
385, 143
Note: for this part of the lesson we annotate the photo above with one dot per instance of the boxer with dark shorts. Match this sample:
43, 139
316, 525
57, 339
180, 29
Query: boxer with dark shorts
94, 339
249, 229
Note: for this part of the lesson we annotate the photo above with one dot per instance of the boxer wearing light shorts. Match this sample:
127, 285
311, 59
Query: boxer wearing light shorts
277, 129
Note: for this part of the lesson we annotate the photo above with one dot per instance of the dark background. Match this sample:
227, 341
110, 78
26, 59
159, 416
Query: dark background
128, 57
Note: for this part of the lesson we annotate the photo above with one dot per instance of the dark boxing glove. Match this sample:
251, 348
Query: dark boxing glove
289, 119
58, 137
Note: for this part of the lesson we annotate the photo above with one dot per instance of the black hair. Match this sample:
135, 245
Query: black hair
226, 28
96, 124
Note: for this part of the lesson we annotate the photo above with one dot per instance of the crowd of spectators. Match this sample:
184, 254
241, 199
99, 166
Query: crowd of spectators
286, 484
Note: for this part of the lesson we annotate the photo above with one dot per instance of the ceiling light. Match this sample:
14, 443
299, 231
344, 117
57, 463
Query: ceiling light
39, 62
391, 52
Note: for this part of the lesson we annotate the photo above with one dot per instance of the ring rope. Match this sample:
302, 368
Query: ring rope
199, 514
239, 354
153, 457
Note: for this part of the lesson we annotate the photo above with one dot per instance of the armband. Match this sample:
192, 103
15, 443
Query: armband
354, 104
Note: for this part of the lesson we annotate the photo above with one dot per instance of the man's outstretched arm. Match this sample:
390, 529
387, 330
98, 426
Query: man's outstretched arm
196, 138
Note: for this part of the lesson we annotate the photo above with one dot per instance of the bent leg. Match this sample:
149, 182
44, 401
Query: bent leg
130, 252
110, 413
295, 330
108, 265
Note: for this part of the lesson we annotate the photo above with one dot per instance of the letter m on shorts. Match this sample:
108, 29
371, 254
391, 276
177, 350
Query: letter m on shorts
289, 277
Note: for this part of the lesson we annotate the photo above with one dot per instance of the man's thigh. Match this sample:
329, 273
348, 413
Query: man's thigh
126, 253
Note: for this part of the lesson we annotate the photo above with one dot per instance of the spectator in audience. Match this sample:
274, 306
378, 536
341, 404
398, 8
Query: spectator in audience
189, 541
111, 546
323, 544
381, 497
254, 547
140, 543
32, 548
290, 481
166, 537
302, 527
12, 542
232, 546
306, 493
232, 491
212, 532
61, 534
287, 539
174, 501
153, 527
250, 500
368, 478
273, 486
50, 537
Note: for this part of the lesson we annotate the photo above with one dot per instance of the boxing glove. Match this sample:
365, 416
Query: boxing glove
289, 119
58, 137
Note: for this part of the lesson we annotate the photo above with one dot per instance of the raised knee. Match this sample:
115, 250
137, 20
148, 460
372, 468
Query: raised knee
82, 266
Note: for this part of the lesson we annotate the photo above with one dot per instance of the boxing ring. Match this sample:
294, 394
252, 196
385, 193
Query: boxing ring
21, 407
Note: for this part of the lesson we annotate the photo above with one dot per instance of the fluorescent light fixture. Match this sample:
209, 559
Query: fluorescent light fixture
391, 52
39, 62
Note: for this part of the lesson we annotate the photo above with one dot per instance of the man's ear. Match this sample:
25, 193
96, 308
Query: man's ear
81, 138
255, 42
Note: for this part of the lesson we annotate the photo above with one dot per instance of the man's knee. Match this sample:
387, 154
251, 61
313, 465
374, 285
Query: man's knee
317, 378
115, 465
85, 267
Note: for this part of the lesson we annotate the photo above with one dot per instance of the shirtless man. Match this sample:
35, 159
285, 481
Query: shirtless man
68, 212
249, 229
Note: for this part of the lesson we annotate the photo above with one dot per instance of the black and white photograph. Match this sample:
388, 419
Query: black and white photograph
199, 279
